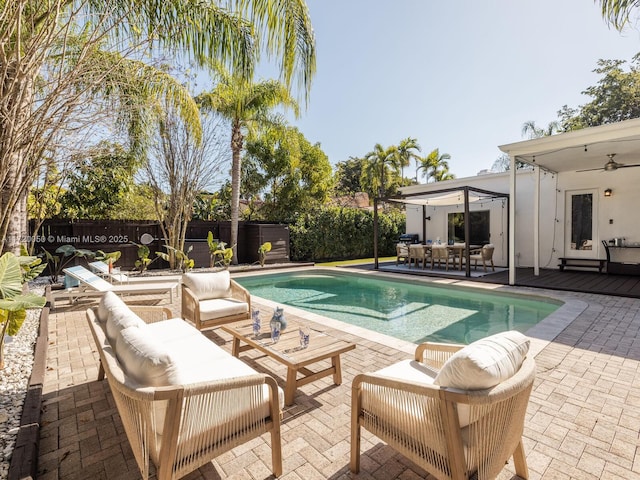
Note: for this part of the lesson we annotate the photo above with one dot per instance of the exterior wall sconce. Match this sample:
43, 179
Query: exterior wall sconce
608, 192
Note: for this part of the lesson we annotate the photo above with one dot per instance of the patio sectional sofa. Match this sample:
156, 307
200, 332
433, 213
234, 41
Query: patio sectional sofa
182, 399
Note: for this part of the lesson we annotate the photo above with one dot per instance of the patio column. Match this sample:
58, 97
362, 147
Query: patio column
375, 233
536, 223
512, 220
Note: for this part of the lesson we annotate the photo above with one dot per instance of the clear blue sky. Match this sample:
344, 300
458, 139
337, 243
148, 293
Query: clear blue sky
461, 76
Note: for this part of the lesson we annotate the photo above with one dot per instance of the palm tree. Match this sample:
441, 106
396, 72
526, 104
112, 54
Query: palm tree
617, 12
405, 151
47, 48
531, 130
435, 166
248, 106
375, 172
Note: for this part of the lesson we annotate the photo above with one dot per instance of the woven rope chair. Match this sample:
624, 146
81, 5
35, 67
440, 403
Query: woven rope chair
423, 422
402, 253
178, 429
417, 254
440, 253
484, 255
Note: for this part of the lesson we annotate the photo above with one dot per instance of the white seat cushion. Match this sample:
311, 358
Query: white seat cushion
409, 371
221, 307
208, 285
485, 363
172, 329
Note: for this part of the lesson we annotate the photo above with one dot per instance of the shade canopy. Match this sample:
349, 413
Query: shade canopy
443, 197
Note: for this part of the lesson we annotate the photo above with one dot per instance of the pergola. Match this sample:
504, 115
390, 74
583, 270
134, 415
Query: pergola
441, 197
584, 149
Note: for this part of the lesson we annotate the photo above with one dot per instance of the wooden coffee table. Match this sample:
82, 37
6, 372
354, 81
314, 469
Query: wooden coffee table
288, 352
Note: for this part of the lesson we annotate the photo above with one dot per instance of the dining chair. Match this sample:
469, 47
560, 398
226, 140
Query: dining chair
441, 253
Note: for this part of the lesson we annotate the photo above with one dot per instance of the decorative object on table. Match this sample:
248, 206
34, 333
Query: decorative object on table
255, 317
305, 333
276, 329
278, 316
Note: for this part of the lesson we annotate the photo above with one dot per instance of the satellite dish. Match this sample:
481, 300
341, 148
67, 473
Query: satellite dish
146, 239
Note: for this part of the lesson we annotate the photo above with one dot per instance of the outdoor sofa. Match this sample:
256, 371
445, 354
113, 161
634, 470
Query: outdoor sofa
182, 399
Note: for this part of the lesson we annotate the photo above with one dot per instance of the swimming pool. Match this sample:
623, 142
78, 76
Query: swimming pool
408, 310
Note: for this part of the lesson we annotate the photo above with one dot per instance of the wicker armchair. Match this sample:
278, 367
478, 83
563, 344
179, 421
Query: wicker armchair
451, 433
213, 298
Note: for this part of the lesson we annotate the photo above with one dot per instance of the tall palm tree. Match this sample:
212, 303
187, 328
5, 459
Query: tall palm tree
407, 149
47, 47
247, 106
376, 172
435, 166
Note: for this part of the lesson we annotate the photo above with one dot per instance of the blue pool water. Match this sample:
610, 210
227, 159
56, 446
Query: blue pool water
408, 310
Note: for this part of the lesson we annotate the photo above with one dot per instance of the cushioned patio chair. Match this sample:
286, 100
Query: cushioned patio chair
456, 412
418, 254
402, 253
484, 255
440, 253
213, 298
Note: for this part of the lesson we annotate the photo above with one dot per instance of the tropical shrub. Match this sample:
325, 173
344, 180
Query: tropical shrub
13, 303
262, 252
340, 233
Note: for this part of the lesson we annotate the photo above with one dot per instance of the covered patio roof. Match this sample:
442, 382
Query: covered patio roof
581, 149
576, 151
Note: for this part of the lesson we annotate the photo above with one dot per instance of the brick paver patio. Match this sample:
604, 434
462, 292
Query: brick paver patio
582, 423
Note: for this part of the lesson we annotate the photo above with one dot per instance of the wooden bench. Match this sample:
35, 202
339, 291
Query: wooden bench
589, 263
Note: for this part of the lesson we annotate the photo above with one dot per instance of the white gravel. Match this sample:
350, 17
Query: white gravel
14, 378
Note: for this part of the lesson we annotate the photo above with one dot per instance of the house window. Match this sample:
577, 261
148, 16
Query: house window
480, 231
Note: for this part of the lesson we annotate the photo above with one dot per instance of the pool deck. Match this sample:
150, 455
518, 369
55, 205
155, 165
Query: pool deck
582, 422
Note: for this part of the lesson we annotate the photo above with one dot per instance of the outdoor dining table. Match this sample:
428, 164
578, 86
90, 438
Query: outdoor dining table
458, 250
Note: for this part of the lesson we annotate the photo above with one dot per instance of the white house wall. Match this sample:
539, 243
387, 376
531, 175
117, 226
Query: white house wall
621, 208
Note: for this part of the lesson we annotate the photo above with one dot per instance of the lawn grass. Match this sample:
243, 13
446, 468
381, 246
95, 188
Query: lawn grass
357, 261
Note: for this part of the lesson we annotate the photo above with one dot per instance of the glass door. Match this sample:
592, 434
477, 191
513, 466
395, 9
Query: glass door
581, 236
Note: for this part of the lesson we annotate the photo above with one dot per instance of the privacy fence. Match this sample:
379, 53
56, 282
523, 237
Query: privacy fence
123, 235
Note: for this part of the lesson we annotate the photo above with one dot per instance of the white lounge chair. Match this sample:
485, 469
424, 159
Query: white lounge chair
102, 269
90, 285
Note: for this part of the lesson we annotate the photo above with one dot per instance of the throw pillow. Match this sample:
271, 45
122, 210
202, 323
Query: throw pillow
485, 363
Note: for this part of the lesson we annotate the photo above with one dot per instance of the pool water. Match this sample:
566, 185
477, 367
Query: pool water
408, 310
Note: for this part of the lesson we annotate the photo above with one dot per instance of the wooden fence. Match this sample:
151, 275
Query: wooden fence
123, 235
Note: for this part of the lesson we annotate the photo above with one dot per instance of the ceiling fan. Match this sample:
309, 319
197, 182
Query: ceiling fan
611, 165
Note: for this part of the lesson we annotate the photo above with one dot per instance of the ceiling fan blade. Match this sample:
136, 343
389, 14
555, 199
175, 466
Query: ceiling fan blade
627, 166
589, 170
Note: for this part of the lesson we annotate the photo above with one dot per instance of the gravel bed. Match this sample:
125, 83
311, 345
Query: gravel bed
14, 378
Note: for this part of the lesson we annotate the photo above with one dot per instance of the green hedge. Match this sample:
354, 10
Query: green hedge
341, 233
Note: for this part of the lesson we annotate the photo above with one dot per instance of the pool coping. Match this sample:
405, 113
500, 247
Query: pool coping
540, 334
